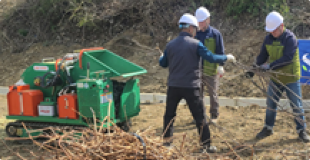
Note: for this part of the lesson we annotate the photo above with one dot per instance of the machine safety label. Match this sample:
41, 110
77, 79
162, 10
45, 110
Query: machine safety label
86, 85
83, 85
80, 85
104, 98
46, 111
40, 68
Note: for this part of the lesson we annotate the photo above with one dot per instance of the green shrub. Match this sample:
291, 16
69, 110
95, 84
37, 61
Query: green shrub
235, 8
256, 7
55, 10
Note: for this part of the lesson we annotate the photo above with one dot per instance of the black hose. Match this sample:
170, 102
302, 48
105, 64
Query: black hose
43, 80
55, 76
144, 146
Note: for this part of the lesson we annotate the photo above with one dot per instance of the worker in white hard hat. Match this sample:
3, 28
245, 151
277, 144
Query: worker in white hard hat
213, 40
281, 48
183, 57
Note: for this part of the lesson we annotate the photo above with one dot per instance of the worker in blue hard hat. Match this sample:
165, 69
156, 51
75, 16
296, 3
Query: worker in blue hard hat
213, 40
183, 56
281, 48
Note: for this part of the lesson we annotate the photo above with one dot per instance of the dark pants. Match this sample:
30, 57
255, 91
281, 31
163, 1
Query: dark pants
194, 100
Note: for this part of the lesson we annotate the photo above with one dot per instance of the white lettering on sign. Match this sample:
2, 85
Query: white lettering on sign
40, 68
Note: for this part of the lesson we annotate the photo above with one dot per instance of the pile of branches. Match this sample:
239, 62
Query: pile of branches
98, 143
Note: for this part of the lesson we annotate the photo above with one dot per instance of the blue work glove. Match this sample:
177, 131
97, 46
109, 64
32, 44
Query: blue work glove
265, 67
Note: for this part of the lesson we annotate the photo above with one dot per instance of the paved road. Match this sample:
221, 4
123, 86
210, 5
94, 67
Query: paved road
224, 101
4, 90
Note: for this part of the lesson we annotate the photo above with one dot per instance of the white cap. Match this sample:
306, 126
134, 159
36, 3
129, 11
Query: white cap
273, 20
202, 14
189, 19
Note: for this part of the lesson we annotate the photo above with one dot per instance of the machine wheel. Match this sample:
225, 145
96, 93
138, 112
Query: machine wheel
125, 126
11, 130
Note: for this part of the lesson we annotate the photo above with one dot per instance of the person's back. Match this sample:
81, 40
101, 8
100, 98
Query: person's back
184, 69
182, 55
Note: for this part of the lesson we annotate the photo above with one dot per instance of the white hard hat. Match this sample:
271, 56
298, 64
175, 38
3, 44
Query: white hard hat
202, 14
273, 20
188, 19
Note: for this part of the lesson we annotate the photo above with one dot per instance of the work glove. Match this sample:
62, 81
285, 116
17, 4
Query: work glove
220, 71
265, 67
231, 58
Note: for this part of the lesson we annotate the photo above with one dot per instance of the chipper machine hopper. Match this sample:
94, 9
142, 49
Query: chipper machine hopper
71, 91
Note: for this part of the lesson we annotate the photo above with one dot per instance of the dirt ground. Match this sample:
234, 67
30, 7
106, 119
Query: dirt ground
236, 127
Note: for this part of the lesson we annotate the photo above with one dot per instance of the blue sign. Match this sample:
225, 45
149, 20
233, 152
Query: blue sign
304, 55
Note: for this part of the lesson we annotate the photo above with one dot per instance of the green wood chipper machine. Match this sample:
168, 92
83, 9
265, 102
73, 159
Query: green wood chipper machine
71, 91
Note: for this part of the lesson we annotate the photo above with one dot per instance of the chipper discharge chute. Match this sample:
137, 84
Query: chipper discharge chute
69, 92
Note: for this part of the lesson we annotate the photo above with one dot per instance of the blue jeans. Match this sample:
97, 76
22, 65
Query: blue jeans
276, 93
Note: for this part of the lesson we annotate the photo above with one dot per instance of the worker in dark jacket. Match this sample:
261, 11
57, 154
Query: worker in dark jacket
183, 55
281, 47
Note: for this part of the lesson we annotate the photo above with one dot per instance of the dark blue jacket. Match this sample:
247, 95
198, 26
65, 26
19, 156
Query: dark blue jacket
211, 32
290, 43
183, 57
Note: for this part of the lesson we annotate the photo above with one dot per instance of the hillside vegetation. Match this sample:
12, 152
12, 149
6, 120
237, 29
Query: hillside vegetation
34, 29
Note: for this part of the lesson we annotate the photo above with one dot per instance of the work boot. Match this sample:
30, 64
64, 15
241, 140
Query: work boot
264, 133
304, 136
213, 118
167, 144
193, 122
208, 149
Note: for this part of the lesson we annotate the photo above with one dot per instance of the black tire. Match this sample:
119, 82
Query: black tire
8, 133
